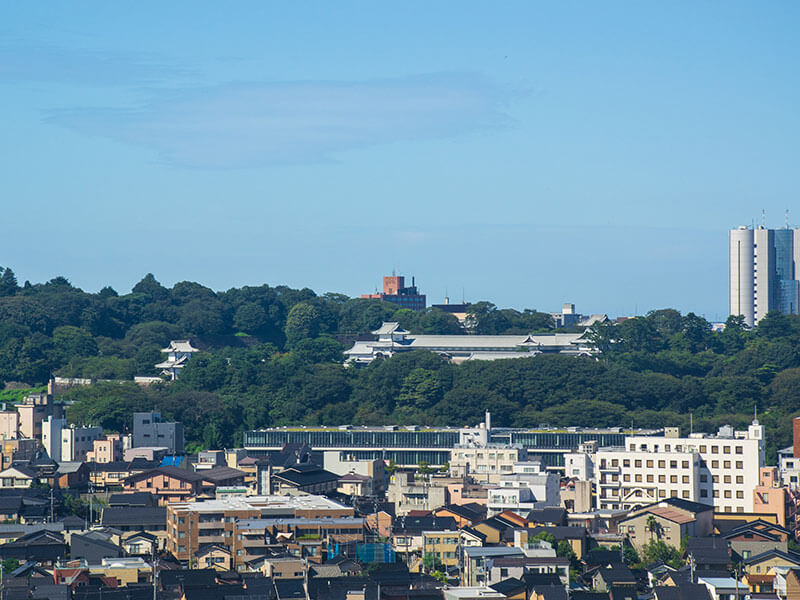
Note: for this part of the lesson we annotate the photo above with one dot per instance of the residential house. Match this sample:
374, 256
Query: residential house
724, 588
408, 532
766, 562
173, 484
465, 515
140, 543
17, 478
214, 556
614, 575
41, 546
669, 521
503, 567
112, 475
93, 547
478, 562
353, 484
757, 537
150, 519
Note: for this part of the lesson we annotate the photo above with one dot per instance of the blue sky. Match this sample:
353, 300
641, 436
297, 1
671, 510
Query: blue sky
528, 153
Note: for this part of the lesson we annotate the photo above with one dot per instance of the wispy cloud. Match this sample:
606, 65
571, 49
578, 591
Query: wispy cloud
252, 124
79, 67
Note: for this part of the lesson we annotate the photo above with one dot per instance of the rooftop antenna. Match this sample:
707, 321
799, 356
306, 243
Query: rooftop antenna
763, 218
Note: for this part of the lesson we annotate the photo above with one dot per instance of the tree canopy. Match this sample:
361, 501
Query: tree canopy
273, 356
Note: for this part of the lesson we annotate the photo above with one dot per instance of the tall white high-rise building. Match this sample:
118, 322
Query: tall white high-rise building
763, 272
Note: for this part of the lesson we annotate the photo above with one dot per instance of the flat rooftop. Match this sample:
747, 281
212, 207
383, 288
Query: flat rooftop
265, 503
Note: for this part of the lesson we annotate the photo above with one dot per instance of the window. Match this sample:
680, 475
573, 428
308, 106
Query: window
727, 494
715, 478
614, 462
666, 447
739, 479
662, 479
673, 479
649, 479
685, 494
662, 493
715, 464
638, 478
626, 477
703, 449
673, 464
685, 464
685, 479
714, 449
662, 464
649, 464
704, 493
726, 464
637, 463
739, 494
726, 449
703, 478
739, 464
626, 463
715, 493
727, 478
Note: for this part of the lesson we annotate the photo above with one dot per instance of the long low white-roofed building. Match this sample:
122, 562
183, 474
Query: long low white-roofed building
393, 339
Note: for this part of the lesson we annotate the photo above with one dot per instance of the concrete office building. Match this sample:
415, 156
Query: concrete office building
763, 273
149, 431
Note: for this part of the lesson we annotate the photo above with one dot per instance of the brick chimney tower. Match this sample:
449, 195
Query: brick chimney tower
796, 437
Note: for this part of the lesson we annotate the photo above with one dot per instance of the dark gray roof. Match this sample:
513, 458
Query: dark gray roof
218, 475
616, 574
132, 499
114, 516
548, 515
306, 474
427, 523
682, 591
561, 532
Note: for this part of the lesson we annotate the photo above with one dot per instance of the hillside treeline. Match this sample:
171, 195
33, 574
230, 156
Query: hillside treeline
273, 356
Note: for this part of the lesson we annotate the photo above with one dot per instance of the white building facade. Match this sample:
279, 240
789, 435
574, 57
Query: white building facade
527, 487
720, 470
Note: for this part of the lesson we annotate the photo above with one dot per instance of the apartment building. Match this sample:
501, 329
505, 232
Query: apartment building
720, 469
107, 450
191, 525
485, 463
309, 538
443, 545
527, 487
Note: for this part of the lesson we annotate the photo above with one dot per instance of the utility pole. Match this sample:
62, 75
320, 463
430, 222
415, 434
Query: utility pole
155, 574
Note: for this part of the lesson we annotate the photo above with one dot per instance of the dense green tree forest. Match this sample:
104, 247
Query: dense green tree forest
273, 356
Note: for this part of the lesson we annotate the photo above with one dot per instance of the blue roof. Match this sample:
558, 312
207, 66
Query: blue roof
171, 461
